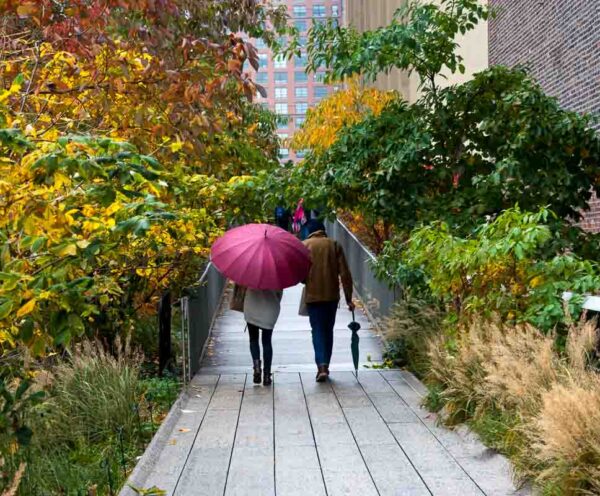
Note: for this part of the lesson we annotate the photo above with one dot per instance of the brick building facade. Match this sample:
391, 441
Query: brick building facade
559, 41
290, 90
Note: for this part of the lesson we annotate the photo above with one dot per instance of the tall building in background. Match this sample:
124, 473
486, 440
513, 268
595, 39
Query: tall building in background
290, 91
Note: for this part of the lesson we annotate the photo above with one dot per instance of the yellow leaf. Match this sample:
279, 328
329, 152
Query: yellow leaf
175, 147
83, 244
27, 308
69, 250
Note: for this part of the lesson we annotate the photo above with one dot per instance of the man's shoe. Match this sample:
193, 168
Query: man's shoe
321, 374
257, 372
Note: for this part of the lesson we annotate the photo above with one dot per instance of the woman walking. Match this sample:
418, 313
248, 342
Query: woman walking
261, 311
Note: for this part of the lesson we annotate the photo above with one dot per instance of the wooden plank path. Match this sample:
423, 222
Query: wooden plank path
363, 437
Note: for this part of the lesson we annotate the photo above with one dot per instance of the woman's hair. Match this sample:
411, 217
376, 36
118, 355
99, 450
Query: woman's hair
315, 225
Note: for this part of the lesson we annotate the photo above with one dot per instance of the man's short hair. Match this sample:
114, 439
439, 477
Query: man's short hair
315, 225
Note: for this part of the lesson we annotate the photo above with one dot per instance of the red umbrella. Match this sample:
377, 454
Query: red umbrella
261, 256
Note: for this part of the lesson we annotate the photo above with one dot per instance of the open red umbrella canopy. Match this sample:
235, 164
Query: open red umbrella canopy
261, 256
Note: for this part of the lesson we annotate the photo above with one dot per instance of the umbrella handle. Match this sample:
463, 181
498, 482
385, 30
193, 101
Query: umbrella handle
353, 318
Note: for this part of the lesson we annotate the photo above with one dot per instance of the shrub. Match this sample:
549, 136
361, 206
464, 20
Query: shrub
98, 416
525, 398
507, 267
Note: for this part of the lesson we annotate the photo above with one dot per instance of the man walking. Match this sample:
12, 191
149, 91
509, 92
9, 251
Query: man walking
322, 292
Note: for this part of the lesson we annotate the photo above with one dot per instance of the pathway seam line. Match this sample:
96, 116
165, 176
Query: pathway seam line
196, 435
312, 430
430, 431
354, 437
237, 424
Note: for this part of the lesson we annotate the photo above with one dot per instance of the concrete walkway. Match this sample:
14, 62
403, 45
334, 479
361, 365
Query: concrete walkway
365, 436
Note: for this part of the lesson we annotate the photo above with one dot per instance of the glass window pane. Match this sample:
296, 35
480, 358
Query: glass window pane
335, 10
281, 93
300, 26
301, 77
299, 11
321, 91
281, 108
284, 152
302, 92
301, 108
281, 77
318, 10
263, 60
262, 77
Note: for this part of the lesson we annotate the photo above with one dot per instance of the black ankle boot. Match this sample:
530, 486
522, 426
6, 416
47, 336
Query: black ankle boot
257, 372
267, 381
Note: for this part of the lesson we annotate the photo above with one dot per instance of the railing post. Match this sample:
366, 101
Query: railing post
164, 332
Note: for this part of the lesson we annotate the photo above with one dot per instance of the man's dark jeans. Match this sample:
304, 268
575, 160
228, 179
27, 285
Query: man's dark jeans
322, 322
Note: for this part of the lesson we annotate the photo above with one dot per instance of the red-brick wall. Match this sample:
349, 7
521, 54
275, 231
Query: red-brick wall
559, 41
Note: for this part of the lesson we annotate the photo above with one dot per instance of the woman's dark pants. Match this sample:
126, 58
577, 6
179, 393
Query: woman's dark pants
253, 331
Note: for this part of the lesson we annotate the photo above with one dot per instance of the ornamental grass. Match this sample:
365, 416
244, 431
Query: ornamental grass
538, 404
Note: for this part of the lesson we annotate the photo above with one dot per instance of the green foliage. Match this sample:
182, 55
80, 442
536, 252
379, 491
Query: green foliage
420, 38
501, 269
474, 152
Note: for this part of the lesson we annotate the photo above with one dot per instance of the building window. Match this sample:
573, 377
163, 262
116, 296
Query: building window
283, 136
262, 78
301, 153
300, 26
284, 152
299, 11
280, 62
319, 77
281, 77
301, 77
335, 10
302, 41
281, 108
300, 121
301, 61
320, 91
282, 122
301, 92
301, 108
260, 44
263, 60
281, 93
319, 11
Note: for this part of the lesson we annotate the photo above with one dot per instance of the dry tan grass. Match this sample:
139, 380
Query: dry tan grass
490, 369
567, 432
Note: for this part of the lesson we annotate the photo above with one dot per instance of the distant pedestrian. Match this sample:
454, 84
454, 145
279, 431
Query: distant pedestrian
261, 311
299, 219
322, 292
283, 217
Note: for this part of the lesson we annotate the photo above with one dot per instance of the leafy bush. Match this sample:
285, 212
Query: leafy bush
536, 405
502, 268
